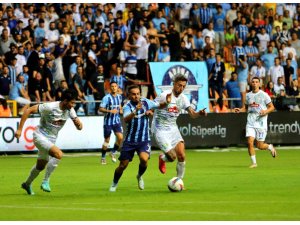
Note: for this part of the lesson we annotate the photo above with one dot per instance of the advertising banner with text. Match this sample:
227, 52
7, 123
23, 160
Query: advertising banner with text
69, 138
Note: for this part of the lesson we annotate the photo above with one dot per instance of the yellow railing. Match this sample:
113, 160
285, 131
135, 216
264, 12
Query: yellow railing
14, 107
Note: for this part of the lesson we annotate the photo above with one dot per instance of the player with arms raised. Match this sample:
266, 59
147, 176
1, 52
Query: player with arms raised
259, 105
53, 117
165, 129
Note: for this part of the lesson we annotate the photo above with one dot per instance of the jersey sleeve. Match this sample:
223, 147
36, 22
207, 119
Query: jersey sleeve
268, 99
126, 110
186, 102
150, 104
104, 102
73, 114
162, 97
44, 108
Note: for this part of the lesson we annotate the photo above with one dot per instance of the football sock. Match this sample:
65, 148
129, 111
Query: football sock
270, 147
52, 164
115, 149
180, 168
117, 176
33, 174
103, 153
142, 170
253, 159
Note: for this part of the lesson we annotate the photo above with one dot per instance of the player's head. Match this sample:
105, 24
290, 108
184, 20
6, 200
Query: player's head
68, 98
255, 83
114, 87
134, 93
179, 84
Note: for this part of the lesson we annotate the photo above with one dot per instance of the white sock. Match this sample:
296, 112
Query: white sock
33, 174
270, 147
52, 164
180, 168
253, 159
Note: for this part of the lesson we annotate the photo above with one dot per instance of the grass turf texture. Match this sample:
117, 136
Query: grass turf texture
220, 186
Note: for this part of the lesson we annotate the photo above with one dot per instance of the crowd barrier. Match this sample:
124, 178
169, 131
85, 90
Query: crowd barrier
215, 130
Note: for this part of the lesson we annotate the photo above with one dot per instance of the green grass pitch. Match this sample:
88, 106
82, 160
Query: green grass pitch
219, 187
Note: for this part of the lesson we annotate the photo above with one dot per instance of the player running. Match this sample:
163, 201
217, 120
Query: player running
137, 138
111, 105
164, 127
53, 117
259, 105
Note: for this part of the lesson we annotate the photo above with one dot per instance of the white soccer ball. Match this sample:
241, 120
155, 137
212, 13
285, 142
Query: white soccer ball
175, 184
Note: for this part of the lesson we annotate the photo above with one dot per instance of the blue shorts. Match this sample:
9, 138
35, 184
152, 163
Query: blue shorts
116, 128
128, 150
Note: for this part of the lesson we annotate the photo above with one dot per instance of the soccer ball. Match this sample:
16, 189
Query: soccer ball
175, 184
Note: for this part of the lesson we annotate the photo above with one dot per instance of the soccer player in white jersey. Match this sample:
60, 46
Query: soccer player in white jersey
53, 117
259, 105
165, 129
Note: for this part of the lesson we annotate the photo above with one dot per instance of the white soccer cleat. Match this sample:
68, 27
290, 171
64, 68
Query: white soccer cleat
253, 166
113, 157
103, 161
113, 187
141, 183
273, 151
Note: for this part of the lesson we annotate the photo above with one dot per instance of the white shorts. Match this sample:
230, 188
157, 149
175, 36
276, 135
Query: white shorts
22, 101
43, 144
167, 140
258, 133
243, 86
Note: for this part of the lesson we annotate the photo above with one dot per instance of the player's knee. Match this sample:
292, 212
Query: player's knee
171, 157
181, 158
58, 155
40, 167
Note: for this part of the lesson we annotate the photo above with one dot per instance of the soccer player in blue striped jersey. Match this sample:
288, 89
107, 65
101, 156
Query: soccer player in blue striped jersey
112, 105
136, 115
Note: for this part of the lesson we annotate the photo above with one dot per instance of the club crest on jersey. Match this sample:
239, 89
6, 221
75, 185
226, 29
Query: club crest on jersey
253, 104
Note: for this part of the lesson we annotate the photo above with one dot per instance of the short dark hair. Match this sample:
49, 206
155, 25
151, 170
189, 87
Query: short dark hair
179, 77
69, 95
129, 88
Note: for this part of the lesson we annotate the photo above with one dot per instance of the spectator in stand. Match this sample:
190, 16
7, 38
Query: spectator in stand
268, 58
78, 82
232, 90
62, 87
293, 90
73, 68
231, 14
163, 53
198, 40
183, 13
141, 47
19, 94
40, 32
251, 53
259, 71
52, 35
242, 72
279, 86
12, 70
275, 71
5, 82
230, 36
242, 30
152, 49
216, 77
288, 73
205, 16
264, 40
295, 29
5, 41
96, 84
209, 31
158, 20
219, 21
270, 89
21, 59
4, 108
220, 107
210, 59
130, 64
238, 50
173, 38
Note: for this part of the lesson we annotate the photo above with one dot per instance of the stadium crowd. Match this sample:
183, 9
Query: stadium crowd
47, 48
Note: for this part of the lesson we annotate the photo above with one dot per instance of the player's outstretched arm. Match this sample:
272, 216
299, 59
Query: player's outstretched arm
27, 112
168, 101
77, 123
195, 114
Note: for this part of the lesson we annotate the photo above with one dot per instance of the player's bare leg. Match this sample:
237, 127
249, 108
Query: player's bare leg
117, 145
169, 156
251, 151
264, 146
103, 150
